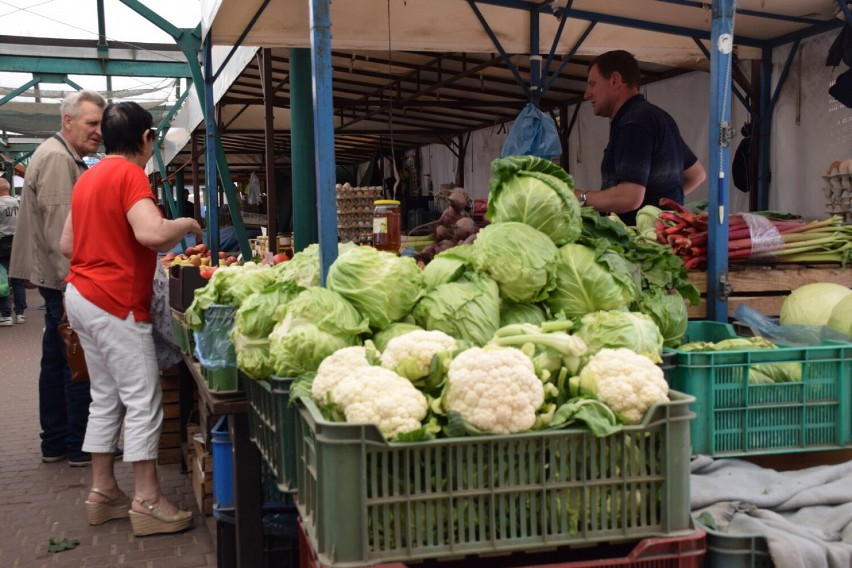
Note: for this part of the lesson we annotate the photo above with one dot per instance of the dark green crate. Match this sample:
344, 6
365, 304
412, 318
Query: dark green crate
222, 381
181, 334
366, 501
272, 426
735, 418
725, 550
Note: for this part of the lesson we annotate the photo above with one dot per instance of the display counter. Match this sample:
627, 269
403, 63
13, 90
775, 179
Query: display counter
248, 497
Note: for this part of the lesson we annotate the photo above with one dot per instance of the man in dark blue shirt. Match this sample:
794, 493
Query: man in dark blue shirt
646, 159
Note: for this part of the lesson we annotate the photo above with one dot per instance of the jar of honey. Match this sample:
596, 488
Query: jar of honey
386, 225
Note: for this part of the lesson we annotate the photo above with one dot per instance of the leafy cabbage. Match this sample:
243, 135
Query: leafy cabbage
315, 324
586, 282
613, 329
812, 304
382, 286
535, 191
512, 312
304, 267
254, 321
668, 310
519, 258
841, 316
468, 310
229, 286
448, 266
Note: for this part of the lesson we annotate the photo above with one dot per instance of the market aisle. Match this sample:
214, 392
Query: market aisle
39, 501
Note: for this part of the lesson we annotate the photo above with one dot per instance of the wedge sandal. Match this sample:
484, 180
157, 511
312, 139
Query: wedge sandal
157, 521
115, 508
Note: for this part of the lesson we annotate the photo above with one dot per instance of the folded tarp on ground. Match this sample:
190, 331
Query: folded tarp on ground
805, 515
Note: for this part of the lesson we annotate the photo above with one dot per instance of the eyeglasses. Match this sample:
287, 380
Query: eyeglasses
152, 134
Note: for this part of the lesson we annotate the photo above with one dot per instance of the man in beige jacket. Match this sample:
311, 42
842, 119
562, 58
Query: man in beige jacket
45, 202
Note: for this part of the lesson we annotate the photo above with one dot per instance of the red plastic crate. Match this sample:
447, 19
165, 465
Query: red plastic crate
665, 552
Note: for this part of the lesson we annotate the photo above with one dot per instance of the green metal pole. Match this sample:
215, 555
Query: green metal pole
305, 227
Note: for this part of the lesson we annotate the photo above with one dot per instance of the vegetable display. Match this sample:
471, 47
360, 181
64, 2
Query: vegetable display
756, 237
812, 304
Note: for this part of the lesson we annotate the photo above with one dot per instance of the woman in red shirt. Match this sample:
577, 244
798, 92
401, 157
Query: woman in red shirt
112, 236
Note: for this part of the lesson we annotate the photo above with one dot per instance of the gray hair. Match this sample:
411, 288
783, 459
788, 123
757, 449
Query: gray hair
71, 104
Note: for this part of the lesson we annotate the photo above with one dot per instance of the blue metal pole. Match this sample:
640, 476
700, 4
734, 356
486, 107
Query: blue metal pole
535, 59
721, 60
211, 194
324, 133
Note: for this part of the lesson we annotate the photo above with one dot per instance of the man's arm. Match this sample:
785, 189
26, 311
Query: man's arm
154, 232
66, 241
693, 176
621, 198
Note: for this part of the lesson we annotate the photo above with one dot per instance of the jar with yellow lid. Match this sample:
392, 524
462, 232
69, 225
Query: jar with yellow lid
386, 225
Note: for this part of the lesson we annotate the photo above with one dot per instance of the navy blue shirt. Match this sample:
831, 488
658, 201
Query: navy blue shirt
645, 147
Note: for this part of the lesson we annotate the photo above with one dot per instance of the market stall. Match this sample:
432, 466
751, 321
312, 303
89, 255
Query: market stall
326, 539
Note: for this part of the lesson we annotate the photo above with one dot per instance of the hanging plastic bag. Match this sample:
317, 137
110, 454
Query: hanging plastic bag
4, 281
253, 197
533, 134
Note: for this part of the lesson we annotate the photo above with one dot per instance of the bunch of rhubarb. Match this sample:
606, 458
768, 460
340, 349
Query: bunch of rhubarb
782, 240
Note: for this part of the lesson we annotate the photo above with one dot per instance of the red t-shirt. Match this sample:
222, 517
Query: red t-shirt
108, 265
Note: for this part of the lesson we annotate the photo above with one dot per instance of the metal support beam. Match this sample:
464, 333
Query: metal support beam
211, 195
721, 63
320, 18
495, 40
19, 90
241, 38
764, 124
265, 66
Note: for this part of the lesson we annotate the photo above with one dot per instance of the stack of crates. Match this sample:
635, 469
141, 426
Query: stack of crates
735, 418
539, 498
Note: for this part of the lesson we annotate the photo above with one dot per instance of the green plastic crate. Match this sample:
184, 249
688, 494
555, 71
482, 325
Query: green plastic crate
735, 418
222, 381
726, 550
365, 501
272, 426
181, 334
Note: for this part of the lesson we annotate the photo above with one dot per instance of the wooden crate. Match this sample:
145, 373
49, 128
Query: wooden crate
200, 469
170, 450
765, 287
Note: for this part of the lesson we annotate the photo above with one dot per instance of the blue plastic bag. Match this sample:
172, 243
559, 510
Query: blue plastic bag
213, 346
533, 134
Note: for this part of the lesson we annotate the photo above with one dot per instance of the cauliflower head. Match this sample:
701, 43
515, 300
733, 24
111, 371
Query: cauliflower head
381, 397
495, 389
334, 368
410, 354
625, 381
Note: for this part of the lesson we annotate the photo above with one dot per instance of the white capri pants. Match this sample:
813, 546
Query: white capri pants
124, 376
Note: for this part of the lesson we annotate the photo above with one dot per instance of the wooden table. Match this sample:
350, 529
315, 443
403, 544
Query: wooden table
248, 491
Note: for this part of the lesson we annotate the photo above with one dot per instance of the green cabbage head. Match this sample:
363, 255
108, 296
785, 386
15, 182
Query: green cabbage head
841, 316
668, 310
812, 304
315, 324
519, 258
448, 266
586, 282
613, 329
468, 309
535, 191
511, 312
382, 286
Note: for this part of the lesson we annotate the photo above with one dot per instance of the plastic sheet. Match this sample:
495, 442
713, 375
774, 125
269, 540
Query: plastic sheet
771, 329
213, 346
765, 238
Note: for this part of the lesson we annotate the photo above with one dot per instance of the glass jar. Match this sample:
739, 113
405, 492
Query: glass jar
386, 225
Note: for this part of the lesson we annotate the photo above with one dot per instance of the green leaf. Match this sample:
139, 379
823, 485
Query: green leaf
56, 544
708, 521
600, 418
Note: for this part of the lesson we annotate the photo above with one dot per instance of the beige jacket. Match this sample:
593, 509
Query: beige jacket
45, 203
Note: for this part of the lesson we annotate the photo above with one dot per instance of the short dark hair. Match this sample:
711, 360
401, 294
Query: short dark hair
122, 127
621, 61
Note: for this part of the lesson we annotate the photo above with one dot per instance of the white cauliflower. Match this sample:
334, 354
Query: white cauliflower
495, 389
381, 397
625, 381
334, 368
410, 354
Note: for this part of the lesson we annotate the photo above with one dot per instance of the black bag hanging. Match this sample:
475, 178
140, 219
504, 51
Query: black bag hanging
740, 168
842, 89
841, 49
